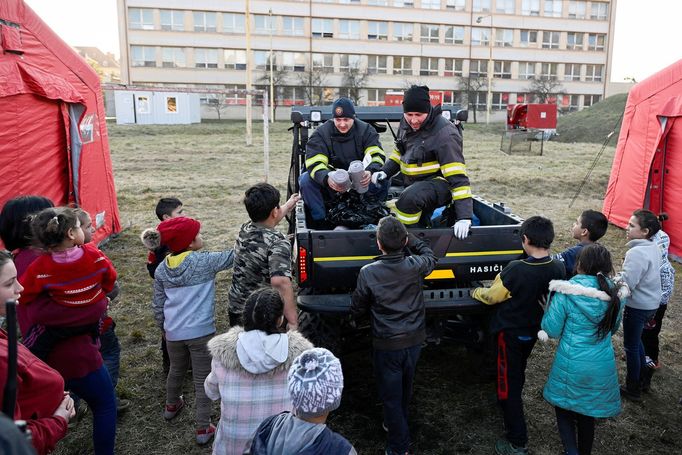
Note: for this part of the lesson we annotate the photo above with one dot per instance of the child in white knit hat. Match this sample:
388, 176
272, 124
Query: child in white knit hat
315, 384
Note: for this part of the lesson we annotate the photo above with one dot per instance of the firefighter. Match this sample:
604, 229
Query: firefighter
428, 153
334, 145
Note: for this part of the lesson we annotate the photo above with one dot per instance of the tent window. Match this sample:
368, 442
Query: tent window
171, 105
143, 105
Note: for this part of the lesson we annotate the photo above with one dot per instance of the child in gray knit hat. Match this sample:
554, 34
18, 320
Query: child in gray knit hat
315, 384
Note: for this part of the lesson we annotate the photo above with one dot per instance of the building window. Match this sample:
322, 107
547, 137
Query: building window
349, 29
480, 36
402, 31
572, 72
205, 58
478, 68
481, 6
591, 100
570, 102
235, 59
574, 41
431, 4
173, 57
429, 33
293, 61
550, 40
377, 30
292, 26
348, 62
600, 11
577, 9
596, 42
377, 2
553, 8
479, 100
502, 70
530, 8
323, 63
290, 96
233, 23
454, 34
399, 3
529, 38
429, 66
526, 70
143, 56
172, 20
263, 24
499, 101
323, 28
348, 2
204, 22
261, 60
457, 5
375, 96
504, 37
141, 19
593, 73
377, 64
453, 67
549, 71
402, 65
505, 6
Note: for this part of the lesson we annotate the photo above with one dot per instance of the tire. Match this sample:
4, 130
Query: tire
321, 331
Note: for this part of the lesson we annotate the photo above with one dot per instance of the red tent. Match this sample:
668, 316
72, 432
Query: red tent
647, 167
53, 133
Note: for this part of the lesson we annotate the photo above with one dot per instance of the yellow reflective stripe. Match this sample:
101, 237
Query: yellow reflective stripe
319, 167
377, 159
407, 218
374, 150
344, 258
461, 192
453, 169
395, 156
319, 158
483, 253
440, 275
414, 169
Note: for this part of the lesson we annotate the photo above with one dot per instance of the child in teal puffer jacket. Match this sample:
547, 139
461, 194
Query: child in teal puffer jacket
583, 314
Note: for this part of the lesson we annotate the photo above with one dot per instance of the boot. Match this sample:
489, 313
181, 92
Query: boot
645, 379
631, 391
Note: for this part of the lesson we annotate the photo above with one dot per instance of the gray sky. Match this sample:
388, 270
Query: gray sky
646, 38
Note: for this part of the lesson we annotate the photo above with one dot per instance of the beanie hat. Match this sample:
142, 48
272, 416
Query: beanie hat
315, 383
175, 233
343, 107
417, 99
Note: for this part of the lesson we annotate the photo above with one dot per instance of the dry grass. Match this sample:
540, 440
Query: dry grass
208, 168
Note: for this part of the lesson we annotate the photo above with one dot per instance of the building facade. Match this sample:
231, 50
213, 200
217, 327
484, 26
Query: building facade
392, 43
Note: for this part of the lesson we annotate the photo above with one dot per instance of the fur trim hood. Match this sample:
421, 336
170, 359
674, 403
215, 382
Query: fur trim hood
223, 348
575, 288
151, 238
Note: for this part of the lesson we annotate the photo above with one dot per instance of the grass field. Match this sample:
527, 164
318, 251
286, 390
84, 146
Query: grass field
453, 412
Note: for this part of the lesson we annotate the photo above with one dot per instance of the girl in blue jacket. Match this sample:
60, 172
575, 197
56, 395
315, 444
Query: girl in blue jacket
583, 314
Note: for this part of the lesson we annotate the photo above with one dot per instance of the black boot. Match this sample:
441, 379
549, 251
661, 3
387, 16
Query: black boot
645, 379
631, 390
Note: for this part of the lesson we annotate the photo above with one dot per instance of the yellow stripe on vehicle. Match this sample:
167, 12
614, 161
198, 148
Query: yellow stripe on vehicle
441, 275
343, 258
319, 158
483, 253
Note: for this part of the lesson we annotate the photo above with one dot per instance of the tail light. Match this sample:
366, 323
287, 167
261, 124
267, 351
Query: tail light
302, 264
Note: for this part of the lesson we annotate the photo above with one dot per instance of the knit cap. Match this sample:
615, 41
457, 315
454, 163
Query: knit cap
315, 383
175, 233
417, 99
343, 107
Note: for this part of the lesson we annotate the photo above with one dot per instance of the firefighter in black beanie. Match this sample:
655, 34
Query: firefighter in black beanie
428, 153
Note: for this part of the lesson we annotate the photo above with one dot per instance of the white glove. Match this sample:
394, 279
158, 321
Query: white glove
378, 176
461, 229
542, 336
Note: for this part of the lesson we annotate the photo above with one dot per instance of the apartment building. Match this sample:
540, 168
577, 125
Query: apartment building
202, 43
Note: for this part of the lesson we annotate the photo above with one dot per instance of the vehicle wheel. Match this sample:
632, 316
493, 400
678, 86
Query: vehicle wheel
322, 331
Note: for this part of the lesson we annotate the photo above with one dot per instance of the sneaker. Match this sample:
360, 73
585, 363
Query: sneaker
650, 363
171, 410
122, 406
204, 435
504, 447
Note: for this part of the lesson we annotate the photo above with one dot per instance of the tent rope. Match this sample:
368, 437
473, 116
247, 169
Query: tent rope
595, 161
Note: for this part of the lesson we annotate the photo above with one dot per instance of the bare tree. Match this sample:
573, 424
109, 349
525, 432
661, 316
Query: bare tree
216, 103
470, 86
353, 81
544, 89
279, 76
313, 84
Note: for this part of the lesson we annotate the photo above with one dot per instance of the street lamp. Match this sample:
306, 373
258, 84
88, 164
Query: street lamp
489, 96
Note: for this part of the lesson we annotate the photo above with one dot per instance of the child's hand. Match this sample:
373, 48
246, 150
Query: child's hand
291, 203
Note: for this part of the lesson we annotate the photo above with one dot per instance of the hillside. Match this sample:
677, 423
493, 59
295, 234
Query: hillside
594, 123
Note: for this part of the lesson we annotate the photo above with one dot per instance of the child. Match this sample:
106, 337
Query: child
391, 288
184, 303
166, 208
516, 322
590, 226
315, 385
642, 273
262, 255
583, 313
252, 361
653, 327
74, 275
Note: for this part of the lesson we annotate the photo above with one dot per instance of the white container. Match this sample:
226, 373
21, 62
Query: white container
341, 178
356, 171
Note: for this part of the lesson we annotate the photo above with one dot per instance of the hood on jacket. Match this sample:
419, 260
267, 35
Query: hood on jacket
258, 351
586, 286
178, 269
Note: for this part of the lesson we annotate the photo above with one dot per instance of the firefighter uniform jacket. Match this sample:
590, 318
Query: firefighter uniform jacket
434, 151
328, 149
